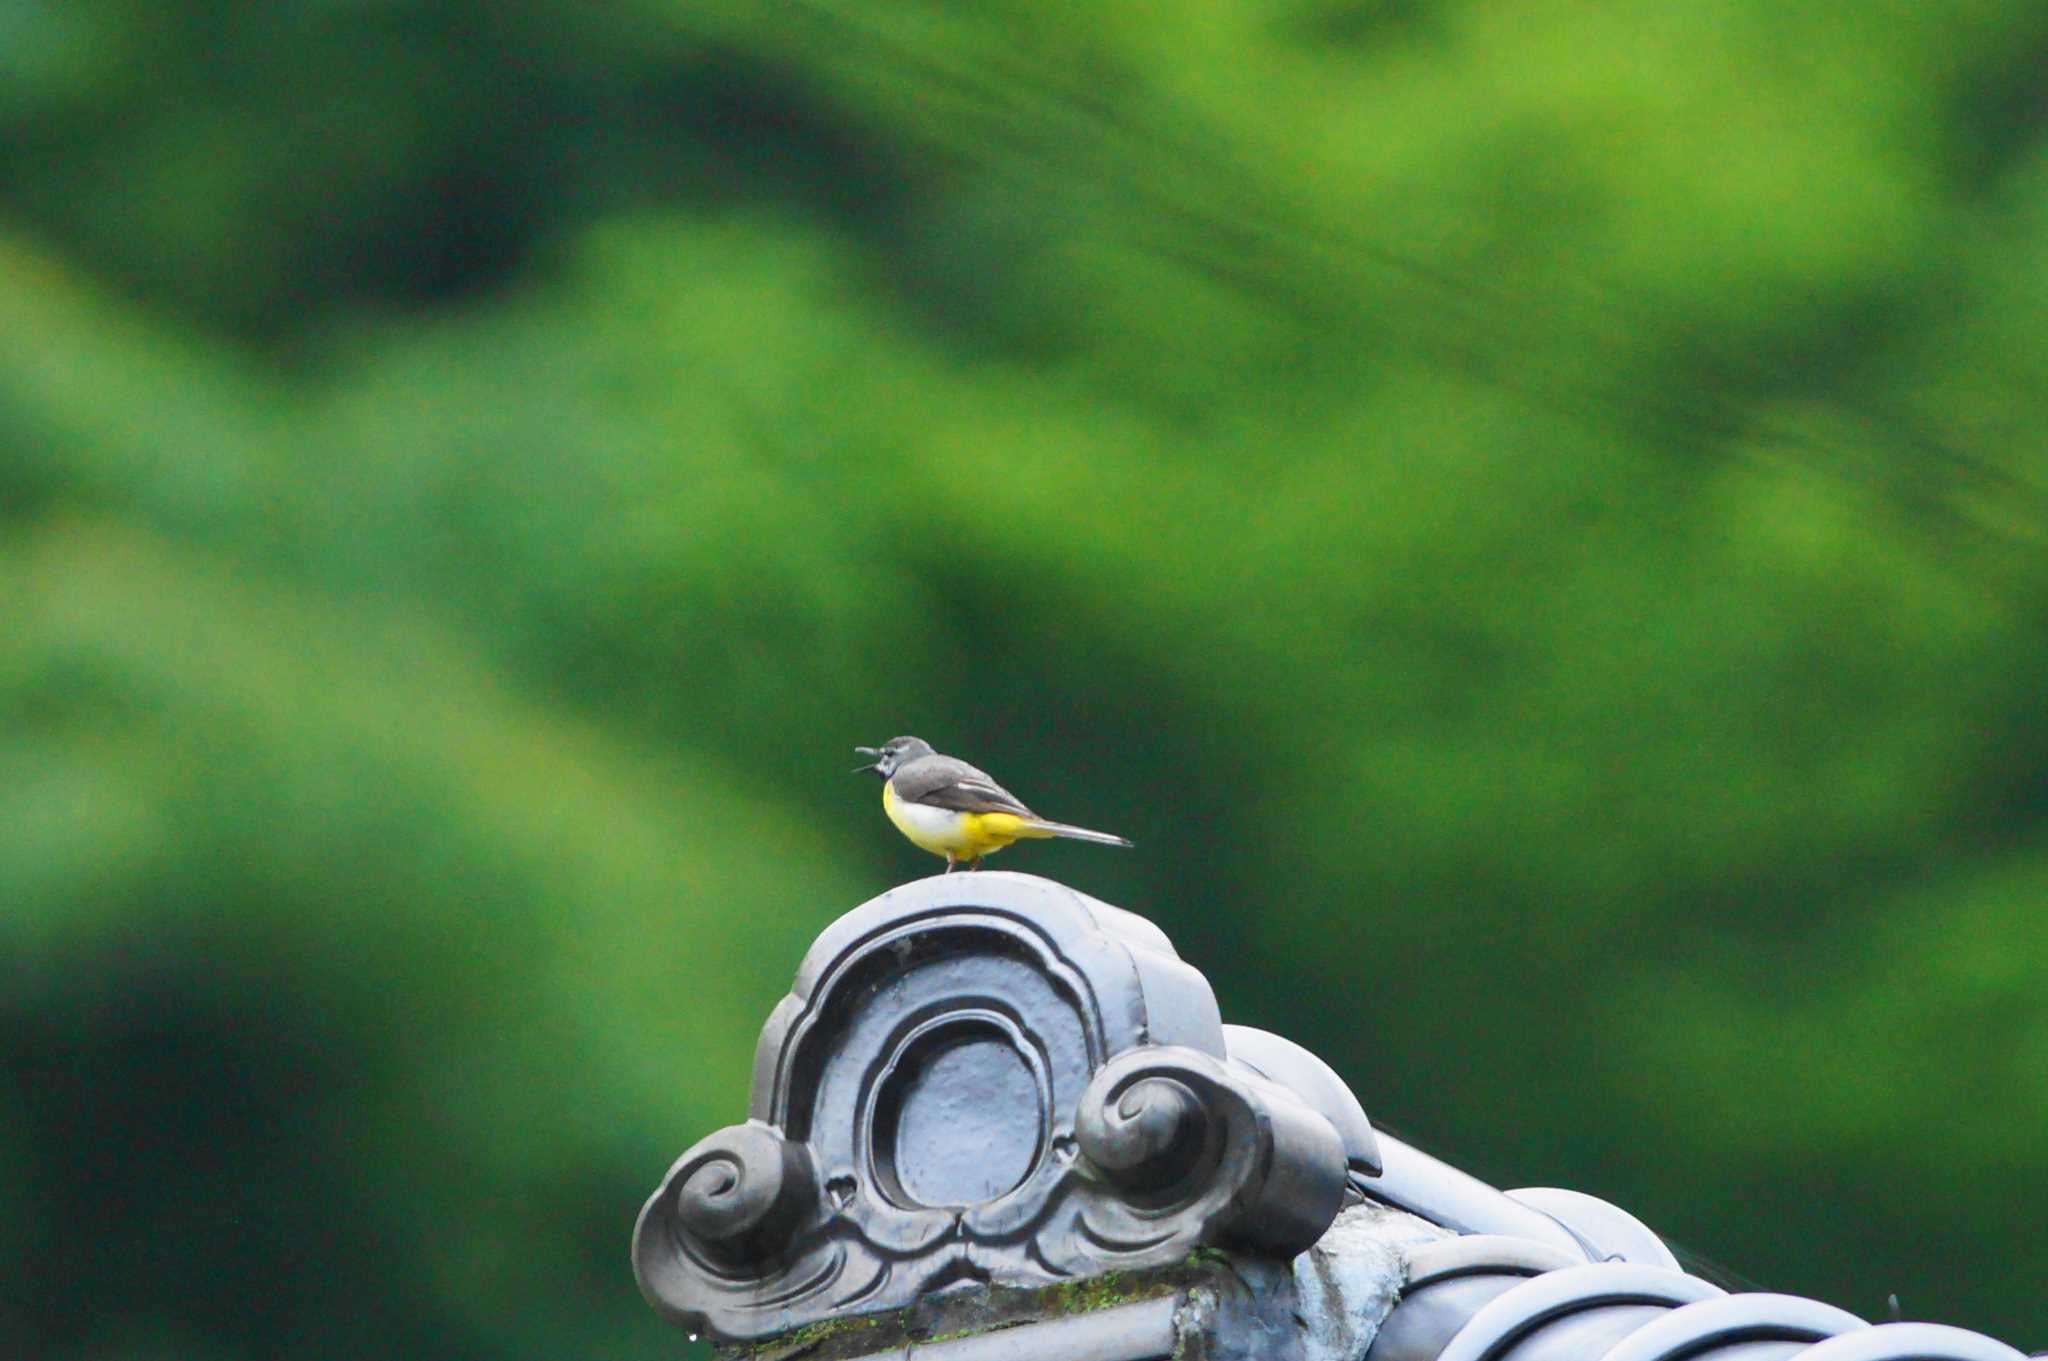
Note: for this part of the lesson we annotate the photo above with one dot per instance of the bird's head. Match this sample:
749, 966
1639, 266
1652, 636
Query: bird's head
897, 751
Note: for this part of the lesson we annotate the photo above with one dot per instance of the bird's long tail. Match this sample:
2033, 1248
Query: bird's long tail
1038, 827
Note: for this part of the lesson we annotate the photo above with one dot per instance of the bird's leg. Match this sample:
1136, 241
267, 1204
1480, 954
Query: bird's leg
949, 862
975, 863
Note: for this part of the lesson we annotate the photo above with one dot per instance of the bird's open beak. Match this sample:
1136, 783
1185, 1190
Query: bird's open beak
867, 751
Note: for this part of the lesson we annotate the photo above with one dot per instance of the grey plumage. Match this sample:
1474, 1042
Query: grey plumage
921, 776
946, 782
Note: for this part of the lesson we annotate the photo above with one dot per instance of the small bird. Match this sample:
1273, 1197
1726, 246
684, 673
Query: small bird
949, 808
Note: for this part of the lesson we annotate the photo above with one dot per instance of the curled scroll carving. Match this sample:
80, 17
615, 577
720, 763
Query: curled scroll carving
1210, 1149
739, 1193
988, 1077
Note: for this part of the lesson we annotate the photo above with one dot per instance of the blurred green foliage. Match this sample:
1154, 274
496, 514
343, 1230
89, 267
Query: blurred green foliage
1533, 519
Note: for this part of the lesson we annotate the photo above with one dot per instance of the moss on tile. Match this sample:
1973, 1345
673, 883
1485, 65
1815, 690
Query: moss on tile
953, 1315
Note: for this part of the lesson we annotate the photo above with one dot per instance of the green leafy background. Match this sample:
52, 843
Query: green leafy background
1532, 517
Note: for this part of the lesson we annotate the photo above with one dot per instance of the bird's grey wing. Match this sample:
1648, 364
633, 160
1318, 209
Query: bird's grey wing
942, 782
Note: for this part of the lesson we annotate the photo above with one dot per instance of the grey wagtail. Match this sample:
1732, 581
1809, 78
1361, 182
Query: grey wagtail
949, 808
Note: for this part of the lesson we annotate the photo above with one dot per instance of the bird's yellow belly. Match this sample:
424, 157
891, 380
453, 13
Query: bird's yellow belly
941, 831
